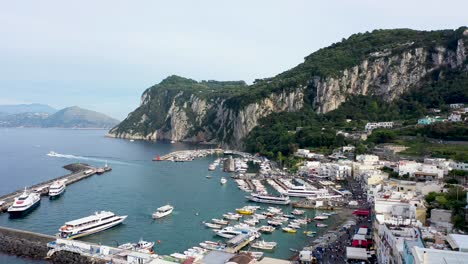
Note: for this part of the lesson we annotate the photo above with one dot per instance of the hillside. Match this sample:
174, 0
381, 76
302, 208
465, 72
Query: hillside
388, 65
71, 117
76, 117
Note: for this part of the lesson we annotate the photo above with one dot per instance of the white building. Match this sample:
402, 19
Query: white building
454, 117
441, 163
430, 256
419, 171
335, 171
372, 126
367, 159
456, 106
459, 165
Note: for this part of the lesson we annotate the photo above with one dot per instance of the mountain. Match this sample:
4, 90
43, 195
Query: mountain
26, 108
76, 117
70, 117
385, 64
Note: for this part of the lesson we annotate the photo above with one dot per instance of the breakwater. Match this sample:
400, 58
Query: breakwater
79, 171
34, 245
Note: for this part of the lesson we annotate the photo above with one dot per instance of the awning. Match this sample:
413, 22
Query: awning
356, 253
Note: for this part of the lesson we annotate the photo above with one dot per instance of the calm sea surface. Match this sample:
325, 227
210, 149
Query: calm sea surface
135, 187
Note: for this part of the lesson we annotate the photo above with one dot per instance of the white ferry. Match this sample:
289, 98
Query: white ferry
24, 204
302, 191
163, 211
254, 197
56, 189
98, 222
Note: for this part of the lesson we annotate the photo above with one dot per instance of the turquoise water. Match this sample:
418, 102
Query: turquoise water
135, 187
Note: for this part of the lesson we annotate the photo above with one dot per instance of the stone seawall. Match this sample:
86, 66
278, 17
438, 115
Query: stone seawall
33, 245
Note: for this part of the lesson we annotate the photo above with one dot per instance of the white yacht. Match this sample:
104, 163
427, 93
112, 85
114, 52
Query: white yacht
97, 222
223, 180
56, 189
163, 211
24, 203
255, 197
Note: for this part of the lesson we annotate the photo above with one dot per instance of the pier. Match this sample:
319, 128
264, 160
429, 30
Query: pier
79, 171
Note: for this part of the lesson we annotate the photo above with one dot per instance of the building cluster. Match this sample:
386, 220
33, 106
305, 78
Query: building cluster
401, 230
458, 113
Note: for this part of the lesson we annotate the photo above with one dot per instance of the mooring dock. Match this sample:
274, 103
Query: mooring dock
79, 171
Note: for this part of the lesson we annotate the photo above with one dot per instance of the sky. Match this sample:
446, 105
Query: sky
102, 55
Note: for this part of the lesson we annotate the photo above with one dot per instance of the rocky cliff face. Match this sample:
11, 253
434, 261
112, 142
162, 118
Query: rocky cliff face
211, 121
185, 110
386, 75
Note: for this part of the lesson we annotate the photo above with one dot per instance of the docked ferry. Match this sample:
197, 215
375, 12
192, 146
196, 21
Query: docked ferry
254, 197
98, 222
24, 204
56, 189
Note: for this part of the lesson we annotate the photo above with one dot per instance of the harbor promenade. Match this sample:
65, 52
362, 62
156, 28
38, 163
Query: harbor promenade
79, 171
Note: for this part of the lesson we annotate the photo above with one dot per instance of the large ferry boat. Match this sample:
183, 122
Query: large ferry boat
98, 222
56, 189
24, 204
302, 191
254, 197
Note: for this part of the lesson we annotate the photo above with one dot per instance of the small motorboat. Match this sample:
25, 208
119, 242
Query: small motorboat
321, 225
213, 226
223, 181
220, 221
289, 230
297, 212
267, 229
209, 176
264, 245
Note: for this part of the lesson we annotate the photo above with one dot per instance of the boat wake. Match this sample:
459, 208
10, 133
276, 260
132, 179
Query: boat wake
96, 159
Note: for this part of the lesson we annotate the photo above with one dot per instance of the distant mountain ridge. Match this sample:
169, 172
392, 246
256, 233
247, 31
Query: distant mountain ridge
70, 117
26, 108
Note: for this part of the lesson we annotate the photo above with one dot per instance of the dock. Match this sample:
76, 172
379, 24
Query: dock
189, 155
79, 171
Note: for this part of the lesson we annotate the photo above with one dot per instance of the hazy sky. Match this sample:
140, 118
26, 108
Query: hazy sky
102, 55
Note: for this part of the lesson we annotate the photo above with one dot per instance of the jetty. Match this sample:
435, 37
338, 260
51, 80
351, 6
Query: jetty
79, 171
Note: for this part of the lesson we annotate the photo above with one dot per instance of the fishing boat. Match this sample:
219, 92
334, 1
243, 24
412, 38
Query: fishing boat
92, 224
213, 226
56, 189
321, 225
259, 198
289, 230
220, 221
297, 212
163, 211
24, 203
267, 229
264, 245
223, 180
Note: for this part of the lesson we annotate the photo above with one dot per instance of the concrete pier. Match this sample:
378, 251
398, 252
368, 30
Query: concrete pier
79, 171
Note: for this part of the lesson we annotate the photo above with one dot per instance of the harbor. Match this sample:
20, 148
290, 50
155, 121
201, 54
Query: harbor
136, 187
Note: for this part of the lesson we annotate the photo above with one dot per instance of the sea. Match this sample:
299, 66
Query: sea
136, 186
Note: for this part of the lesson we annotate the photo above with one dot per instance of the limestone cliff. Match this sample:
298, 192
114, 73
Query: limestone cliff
385, 63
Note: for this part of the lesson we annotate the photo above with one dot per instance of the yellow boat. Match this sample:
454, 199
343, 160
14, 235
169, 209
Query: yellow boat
245, 211
289, 230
